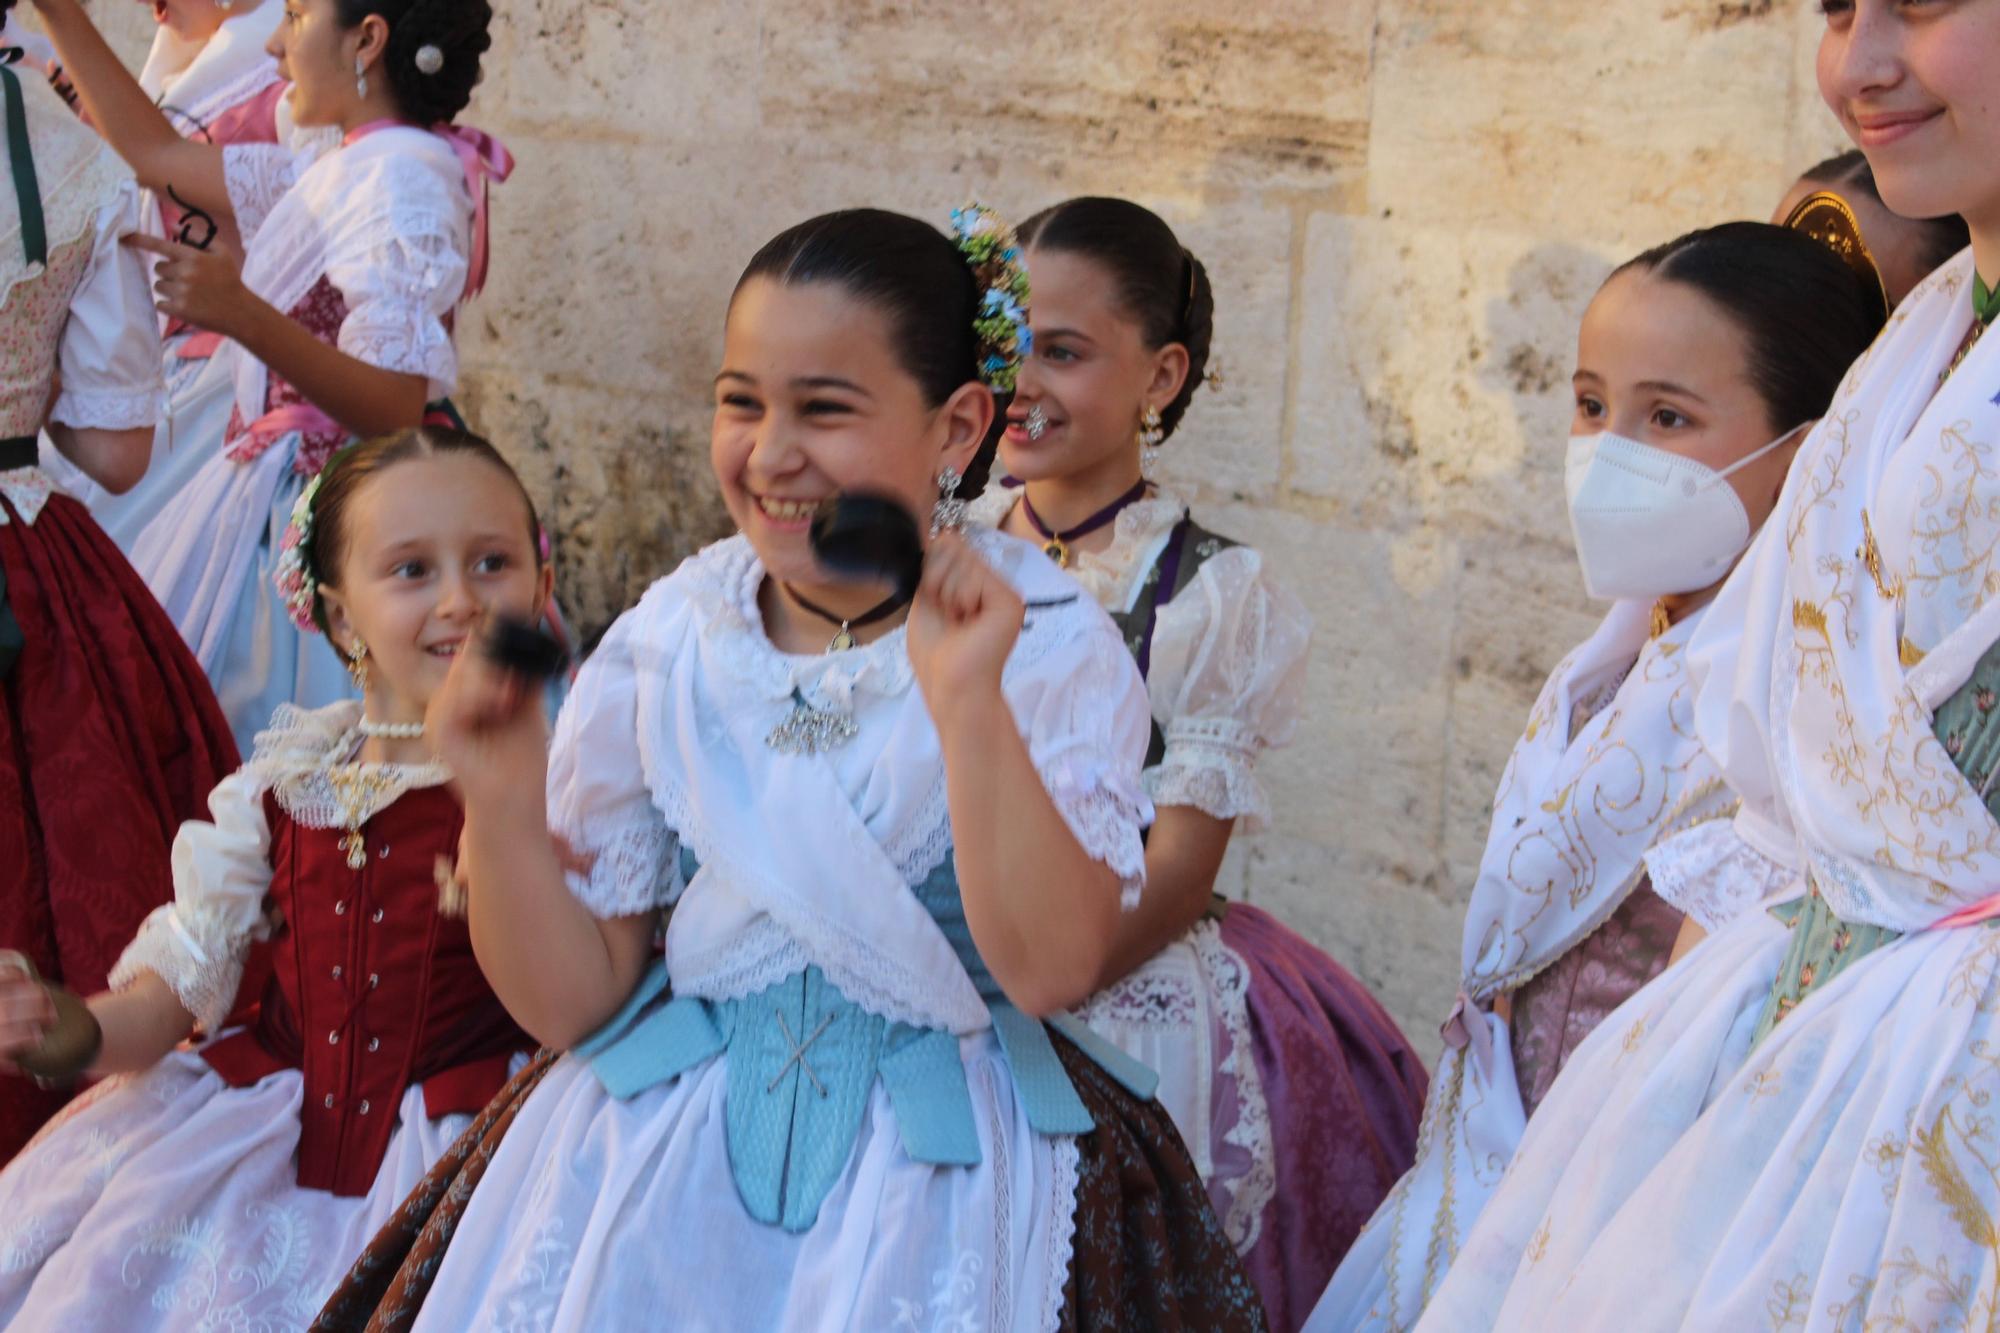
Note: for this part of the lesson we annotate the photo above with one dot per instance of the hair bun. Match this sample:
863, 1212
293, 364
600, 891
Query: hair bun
1827, 218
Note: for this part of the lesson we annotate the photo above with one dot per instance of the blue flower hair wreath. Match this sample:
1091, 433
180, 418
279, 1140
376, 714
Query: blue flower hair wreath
1001, 325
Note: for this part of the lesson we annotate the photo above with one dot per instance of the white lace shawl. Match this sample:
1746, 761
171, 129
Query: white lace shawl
1228, 663
222, 867
387, 219
809, 858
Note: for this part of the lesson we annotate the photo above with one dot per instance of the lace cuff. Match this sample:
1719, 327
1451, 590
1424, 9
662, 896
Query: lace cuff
109, 409
391, 335
196, 953
1104, 813
629, 871
1711, 874
1210, 765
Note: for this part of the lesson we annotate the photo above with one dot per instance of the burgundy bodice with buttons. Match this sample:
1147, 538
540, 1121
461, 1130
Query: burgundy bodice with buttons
373, 989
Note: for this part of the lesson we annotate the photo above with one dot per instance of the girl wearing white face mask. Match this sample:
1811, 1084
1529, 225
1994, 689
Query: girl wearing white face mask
1699, 364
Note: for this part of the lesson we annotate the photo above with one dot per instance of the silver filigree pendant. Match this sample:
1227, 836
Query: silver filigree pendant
809, 730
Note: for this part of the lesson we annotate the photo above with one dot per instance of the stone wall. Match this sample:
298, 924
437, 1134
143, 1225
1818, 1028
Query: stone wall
1405, 205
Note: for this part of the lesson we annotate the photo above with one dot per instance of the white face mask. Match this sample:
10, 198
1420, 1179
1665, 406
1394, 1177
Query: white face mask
1649, 523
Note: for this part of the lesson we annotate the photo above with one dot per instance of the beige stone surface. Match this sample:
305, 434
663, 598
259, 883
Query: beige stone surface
1405, 205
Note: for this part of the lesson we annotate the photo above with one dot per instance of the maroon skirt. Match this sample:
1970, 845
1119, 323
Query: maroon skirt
110, 738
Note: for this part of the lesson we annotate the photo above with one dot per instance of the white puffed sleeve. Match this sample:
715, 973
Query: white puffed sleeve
222, 871
257, 176
1228, 666
625, 860
1082, 711
109, 355
402, 270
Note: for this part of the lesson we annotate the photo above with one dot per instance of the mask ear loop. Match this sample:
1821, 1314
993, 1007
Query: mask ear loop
1756, 454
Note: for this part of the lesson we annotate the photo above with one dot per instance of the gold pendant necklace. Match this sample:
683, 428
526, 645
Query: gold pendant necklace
1057, 551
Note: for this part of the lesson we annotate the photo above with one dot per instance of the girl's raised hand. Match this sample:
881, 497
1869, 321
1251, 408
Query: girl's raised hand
486, 724
26, 1011
202, 287
962, 625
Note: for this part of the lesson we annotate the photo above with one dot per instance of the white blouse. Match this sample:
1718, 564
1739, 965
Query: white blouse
1228, 662
662, 744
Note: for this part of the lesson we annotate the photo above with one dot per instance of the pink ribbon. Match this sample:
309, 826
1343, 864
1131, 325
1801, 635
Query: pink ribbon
249, 445
1466, 1026
1984, 910
484, 159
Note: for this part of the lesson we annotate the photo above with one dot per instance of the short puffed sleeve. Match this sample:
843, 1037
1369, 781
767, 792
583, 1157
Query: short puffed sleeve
402, 266
222, 871
109, 355
1081, 707
1228, 666
623, 860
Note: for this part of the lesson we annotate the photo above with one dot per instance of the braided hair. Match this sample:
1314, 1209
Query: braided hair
456, 29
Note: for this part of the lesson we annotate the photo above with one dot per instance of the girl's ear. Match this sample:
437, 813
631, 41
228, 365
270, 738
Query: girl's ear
340, 629
1170, 372
967, 417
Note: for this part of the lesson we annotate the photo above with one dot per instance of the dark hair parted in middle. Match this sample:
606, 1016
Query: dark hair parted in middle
457, 28
355, 466
1160, 282
1804, 314
913, 274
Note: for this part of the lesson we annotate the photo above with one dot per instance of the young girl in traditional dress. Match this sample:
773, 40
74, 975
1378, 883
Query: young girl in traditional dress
358, 250
1294, 1090
109, 734
893, 835
1792, 1128
1701, 361
213, 79
232, 1184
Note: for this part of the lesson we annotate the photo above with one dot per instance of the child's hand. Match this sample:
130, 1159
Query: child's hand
486, 724
26, 1010
962, 627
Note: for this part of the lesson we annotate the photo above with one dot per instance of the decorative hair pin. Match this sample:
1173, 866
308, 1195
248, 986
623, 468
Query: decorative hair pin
1826, 218
429, 59
1001, 325
296, 579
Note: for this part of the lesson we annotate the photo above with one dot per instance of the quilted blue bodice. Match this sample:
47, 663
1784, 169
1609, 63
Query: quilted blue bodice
803, 1060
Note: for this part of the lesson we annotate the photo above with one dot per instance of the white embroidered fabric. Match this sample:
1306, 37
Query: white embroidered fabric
1710, 873
1238, 1083
402, 275
257, 176
109, 353
221, 872
1228, 669
295, 756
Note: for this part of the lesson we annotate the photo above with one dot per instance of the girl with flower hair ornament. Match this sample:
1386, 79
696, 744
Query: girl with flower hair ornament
231, 1183
1293, 1088
362, 235
895, 836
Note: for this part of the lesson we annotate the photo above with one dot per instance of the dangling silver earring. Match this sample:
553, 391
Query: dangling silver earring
949, 512
360, 78
1151, 435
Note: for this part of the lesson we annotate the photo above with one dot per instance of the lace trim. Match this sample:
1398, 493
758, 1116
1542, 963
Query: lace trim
631, 870
109, 409
1062, 1229
1145, 998
195, 953
395, 323
1106, 822
1711, 874
295, 755
1210, 764
1229, 987
256, 176
1107, 575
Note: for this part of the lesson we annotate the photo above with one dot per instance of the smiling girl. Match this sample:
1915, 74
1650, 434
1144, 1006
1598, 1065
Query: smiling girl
1792, 1127
358, 248
230, 1185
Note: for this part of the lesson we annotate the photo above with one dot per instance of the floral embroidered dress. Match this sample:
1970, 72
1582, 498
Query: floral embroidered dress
224, 90
1609, 822
1296, 1093
818, 1111
109, 734
1705, 1163
370, 243
231, 1185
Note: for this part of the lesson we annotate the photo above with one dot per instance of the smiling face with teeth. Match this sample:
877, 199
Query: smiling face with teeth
431, 546
812, 402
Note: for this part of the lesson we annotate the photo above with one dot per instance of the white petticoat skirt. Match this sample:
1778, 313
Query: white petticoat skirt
1845, 1175
599, 1214
169, 1201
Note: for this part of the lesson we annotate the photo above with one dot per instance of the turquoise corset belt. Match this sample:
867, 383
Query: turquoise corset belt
803, 1060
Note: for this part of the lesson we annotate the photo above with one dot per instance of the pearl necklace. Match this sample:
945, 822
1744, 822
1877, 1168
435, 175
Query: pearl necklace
393, 731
